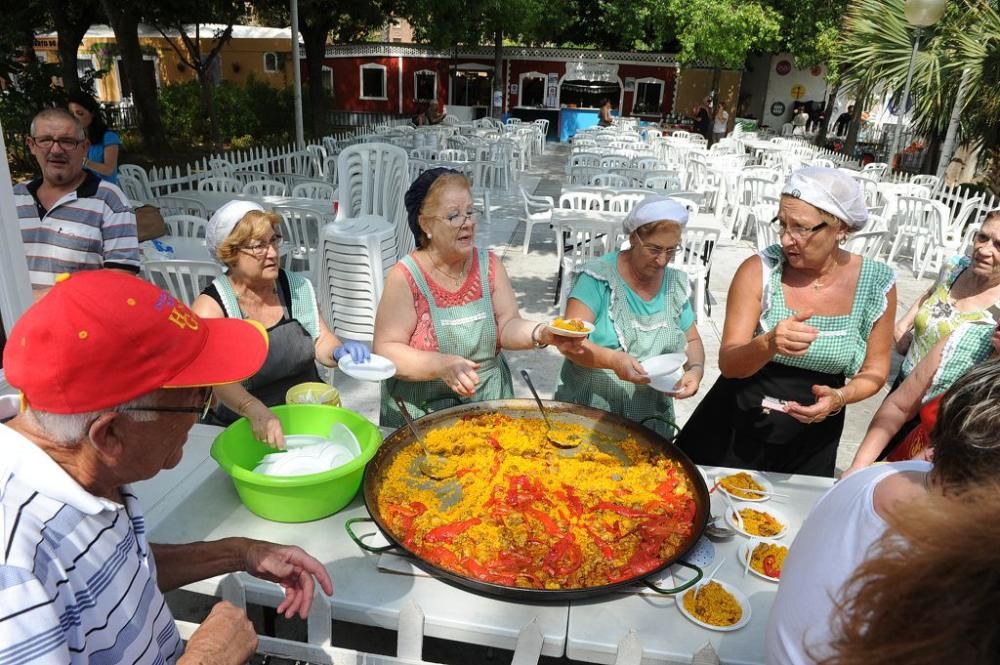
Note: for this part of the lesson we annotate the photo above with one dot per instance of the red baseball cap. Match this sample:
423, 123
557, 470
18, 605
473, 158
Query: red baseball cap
100, 338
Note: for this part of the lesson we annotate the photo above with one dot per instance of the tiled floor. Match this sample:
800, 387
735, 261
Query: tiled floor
533, 276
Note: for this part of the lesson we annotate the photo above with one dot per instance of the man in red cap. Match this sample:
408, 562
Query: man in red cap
113, 373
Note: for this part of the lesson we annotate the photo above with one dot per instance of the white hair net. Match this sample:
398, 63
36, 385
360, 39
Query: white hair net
225, 220
831, 191
655, 208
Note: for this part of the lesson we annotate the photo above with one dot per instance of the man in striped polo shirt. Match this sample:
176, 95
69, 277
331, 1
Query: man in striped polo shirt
71, 220
113, 373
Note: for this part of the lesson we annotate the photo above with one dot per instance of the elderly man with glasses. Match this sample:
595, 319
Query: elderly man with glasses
71, 220
113, 373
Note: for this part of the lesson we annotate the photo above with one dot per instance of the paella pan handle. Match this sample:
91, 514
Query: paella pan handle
672, 424
359, 540
683, 587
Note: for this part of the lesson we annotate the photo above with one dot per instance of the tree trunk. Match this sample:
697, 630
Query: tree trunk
497, 73
125, 24
852, 130
315, 43
71, 23
824, 126
208, 105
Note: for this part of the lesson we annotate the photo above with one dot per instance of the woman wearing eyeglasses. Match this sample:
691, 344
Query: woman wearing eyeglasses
449, 308
808, 331
247, 241
640, 308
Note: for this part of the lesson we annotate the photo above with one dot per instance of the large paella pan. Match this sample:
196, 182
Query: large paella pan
519, 518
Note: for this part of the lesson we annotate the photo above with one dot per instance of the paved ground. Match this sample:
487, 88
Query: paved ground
533, 276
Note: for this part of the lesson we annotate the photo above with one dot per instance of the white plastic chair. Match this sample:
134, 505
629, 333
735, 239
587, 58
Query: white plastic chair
583, 159
453, 155
932, 182
220, 184
133, 189
625, 202
246, 176
315, 189
300, 228
609, 180
695, 258
580, 200
920, 223
765, 235
138, 173
186, 226
175, 204
866, 243
577, 243
184, 280
752, 191
537, 210
265, 188
425, 153
875, 170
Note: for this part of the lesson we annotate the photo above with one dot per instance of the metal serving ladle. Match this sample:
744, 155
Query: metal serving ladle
432, 465
570, 440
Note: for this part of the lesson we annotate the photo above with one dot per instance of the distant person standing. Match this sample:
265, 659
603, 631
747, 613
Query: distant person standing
721, 124
799, 121
604, 118
102, 155
703, 118
843, 121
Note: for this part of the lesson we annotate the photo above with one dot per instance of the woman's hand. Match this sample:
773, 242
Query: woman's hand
265, 425
828, 402
569, 346
792, 336
851, 469
903, 337
459, 374
629, 369
689, 383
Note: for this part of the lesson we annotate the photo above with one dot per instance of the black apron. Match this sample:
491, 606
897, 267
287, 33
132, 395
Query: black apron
290, 360
729, 427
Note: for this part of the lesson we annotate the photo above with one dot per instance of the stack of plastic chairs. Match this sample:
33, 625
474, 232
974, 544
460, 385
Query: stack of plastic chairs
354, 255
373, 178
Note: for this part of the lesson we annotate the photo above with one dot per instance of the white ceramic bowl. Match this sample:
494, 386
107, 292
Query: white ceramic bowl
740, 598
748, 546
773, 512
758, 478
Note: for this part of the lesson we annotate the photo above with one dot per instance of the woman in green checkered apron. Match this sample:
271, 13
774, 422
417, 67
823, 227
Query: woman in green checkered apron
917, 397
801, 318
448, 309
640, 308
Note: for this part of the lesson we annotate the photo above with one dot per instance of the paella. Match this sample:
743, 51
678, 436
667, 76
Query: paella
517, 511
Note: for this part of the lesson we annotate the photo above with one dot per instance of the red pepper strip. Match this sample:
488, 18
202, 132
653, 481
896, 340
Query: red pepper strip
462, 472
565, 548
573, 501
496, 463
606, 550
548, 523
769, 566
622, 510
441, 556
667, 487
494, 442
448, 532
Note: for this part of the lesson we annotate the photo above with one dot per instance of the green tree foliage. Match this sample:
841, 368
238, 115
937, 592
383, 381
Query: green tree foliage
617, 25
721, 33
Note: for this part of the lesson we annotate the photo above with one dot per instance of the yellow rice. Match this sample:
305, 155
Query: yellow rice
764, 550
736, 483
712, 604
759, 523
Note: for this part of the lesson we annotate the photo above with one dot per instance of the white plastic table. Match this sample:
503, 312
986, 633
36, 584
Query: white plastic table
197, 501
596, 628
215, 200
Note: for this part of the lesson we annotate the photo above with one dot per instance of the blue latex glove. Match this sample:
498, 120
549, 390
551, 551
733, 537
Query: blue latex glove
359, 351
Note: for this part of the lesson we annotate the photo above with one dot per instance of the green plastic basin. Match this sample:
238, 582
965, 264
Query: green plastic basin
295, 498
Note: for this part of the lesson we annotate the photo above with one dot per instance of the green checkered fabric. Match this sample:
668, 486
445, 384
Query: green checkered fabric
843, 341
969, 345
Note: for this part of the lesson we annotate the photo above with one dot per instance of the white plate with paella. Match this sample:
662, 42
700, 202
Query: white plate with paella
758, 521
716, 605
766, 557
745, 485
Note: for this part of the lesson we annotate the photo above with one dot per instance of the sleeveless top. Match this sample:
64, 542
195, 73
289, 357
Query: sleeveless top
938, 317
843, 340
969, 345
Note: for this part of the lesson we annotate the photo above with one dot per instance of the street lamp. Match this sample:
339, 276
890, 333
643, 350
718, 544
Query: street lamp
919, 14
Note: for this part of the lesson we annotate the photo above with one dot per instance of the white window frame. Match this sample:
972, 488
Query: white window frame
15, 287
385, 81
532, 75
276, 68
648, 80
118, 73
418, 73
328, 77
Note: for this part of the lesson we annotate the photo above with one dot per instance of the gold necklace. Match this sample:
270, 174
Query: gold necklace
461, 276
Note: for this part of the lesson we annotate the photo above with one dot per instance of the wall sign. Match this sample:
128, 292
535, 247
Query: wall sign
817, 70
798, 91
778, 109
513, 88
783, 67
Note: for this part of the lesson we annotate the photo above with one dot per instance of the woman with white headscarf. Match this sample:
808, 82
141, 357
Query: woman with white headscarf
808, 331
640, 308
247, 241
